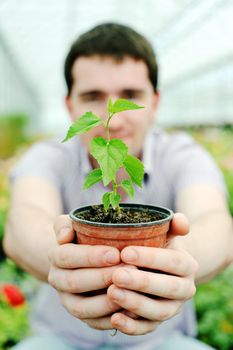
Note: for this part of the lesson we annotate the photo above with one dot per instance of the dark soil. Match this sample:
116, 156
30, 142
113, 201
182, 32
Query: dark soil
124, 215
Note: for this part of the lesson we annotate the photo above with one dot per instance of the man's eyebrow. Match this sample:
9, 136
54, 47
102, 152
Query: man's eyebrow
91, 92
133, 90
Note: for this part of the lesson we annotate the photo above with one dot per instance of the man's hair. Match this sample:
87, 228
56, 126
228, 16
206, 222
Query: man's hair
117, 41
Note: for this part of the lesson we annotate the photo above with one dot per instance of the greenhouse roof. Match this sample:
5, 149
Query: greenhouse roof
193, 40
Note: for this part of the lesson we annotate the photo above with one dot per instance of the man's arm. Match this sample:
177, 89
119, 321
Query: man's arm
31, 242
35, 203
210, 240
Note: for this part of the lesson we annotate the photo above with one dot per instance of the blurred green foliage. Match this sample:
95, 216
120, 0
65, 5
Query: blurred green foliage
219, 143
214, 300
4, 197
13, 324
214, 305
14, 321
228, 175
12, 133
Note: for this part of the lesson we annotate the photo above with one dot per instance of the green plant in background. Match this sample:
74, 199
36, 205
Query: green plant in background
4, 202
214, 300
16, 289
214, 305
12, 133
228, 175
14, 324
111, 154
219, 143
13, 315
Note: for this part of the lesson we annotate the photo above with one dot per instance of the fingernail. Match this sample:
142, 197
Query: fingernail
123, 277
110, 257
130, 254
120, 322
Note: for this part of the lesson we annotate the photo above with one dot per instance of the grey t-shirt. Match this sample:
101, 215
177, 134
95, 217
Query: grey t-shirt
172, 162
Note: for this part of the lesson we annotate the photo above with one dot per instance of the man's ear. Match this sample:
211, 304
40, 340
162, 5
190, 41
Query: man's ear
157, 100
155, 106
68, 103
69, 107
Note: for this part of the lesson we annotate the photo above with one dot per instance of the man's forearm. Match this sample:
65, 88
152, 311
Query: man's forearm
29, 235
210, 242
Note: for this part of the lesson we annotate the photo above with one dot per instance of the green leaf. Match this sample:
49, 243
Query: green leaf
109, 155
115, 199
110, 104
127, 185
106, 200
121, 105
135, 169
93, 177
83, 124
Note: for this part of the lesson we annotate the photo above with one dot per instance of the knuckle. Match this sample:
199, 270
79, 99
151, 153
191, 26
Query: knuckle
78, 311
111, 306
91, 323
63, 256
107, 277
195, 267
132, 328
174, 289
177, 261
144, 281
91, 256
72, 284
165, 314
135, 307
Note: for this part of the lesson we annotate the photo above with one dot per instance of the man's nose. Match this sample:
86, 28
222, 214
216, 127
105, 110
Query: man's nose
117, 122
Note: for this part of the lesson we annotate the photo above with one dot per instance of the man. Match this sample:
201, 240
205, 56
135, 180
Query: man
114, 60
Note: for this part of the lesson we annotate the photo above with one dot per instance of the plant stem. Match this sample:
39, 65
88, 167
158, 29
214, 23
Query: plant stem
107, 124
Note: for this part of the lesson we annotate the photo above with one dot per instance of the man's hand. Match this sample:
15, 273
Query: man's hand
156, 291
159, 280
78, 269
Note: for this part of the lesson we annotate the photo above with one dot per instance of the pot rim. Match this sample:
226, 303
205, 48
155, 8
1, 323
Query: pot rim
161, 210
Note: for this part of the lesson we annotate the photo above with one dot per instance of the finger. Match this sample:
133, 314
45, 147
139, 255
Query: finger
179, 226
144, 306
88, 307
101, 323
172, 261
69, 256
63, 229
156, 284
81, 280
131, 326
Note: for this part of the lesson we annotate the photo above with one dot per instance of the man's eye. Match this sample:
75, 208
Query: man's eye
130, 95
92, 97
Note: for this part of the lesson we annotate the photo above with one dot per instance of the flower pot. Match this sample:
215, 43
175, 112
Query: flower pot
152, 233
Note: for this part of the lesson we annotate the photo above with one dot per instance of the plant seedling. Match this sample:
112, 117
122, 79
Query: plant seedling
110, 154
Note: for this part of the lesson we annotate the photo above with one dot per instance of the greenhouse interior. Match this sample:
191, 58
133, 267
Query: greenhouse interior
192, 40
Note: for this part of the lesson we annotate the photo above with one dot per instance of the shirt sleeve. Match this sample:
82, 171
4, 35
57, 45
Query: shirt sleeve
46, 160
191, 164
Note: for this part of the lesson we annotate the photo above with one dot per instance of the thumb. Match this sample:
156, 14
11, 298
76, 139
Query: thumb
179, 226
63, 229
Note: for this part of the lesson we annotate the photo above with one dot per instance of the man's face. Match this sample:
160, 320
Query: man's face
97, 78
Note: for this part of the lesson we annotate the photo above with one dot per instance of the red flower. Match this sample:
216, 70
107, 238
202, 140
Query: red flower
13, 294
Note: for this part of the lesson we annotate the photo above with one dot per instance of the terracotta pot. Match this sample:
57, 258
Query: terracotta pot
151, 234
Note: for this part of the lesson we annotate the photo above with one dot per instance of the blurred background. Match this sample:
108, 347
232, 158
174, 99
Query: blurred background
193, 42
